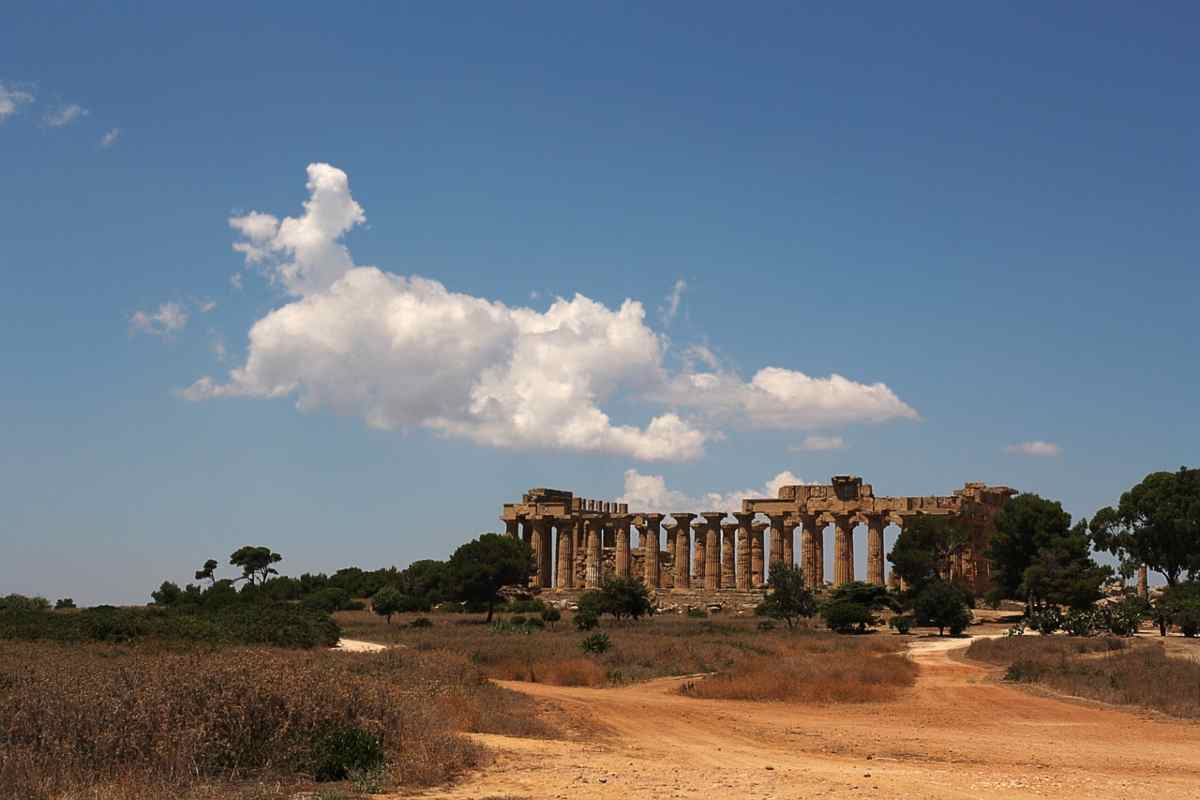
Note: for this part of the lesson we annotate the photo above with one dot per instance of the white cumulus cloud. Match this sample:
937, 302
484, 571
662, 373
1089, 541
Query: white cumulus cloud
406, 351
169, 318
110, 138
651, 493
11, 100
1035, 448
65, 115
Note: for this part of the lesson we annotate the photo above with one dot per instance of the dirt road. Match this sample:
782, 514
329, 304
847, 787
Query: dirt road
956, 734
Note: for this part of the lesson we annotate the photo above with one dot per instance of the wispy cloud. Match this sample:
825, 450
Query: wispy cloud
235, 280
169, 318
65, 115
1035, 448
206, 306
670, 309
820, 443
11, 100
110, 138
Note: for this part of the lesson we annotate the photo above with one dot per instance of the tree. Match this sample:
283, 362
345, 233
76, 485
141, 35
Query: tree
1156, 523
943, 605
1181, 604
64, 602
844, 617
868, 595
922, 551
387, 601
168, 594
787, 597
479, 569
1025, 525
426, 579
207, 572
255, 563
626, 597
1064, 573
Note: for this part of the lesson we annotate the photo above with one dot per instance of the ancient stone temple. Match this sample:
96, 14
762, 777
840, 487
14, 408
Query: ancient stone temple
577, 542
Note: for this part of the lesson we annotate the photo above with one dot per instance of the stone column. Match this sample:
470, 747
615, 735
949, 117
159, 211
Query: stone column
776, 554
649, 534
758, 576
819, 552
621, 529
789, 542
843, 550
671, 532
744, 521
808, 562
699, 554
728, 545
712, 550
592, 580
1143, 588
510, 528
683, 547
875, 525
541, 553
566, 558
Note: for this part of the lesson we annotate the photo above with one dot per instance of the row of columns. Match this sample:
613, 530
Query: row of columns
725, 555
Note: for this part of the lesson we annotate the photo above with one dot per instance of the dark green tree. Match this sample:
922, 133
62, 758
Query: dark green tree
868, 595
843, 617
208, 572
787, 597
1156, 523
168, 594
480, 569
1025, 525
255, 563
922, 551
1063, 573
387, 601
626, 597
427, 579
943, 605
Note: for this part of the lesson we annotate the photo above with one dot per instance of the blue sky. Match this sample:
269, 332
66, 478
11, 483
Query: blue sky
991, 212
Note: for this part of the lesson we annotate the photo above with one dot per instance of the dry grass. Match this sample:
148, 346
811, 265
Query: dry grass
1108, 670
661, 646
97, 721
811, 677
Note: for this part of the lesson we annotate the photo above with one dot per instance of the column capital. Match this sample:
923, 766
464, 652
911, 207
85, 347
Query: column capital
759, 527
652, 519
713, 517
682, 517
730, 526
744, 518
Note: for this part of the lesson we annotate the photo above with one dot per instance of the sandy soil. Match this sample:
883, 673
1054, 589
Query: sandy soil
356, 646
957, 734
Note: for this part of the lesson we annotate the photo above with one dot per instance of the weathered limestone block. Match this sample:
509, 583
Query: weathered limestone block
728, 548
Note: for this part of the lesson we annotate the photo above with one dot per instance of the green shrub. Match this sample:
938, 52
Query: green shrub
1124, 617
845, 617
902, 624
596, 644
1082, 622
697, 613
421, 622
525, 606
344, 749
19, 602
766, 625
64, 602
278, 624
329, 599
516, 619
551, 616
1045, 620
586, 620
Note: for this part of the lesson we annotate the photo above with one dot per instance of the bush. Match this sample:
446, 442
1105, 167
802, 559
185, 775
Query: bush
596, 644
1045, 619
329, 599
766, 625
551, 616
845, 617
278, 624
344, 749
421, 622
901, 623
1124, 617
19, 602
626, 597
1082, 622
525, 606
1187, 616
697, 613
586, 619
943, 605
787, 597
516, 619
63, 603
